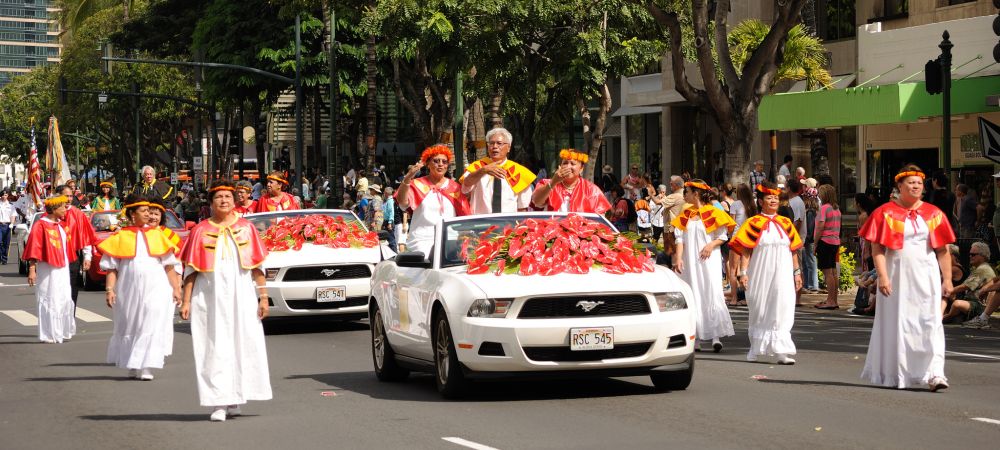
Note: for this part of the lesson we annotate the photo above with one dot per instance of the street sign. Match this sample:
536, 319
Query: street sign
989, 137
173, 178
198, 163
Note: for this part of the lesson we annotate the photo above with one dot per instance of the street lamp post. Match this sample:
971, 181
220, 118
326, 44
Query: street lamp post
298, 101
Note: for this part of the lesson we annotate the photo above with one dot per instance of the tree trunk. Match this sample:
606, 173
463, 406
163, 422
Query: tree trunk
371, 136
255, 109
737, 140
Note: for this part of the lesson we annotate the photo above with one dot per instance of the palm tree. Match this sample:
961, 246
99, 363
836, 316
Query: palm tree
804, 54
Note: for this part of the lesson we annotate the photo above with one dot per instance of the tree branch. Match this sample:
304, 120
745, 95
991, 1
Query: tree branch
722, 44
681, 83
760, 68
717, 96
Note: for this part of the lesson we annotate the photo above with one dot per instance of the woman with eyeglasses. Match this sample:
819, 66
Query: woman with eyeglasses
769, 271
699, 232
431, 198
909, 240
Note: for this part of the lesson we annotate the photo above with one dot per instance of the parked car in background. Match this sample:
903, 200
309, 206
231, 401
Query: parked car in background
317, 280
429, 313
105, 223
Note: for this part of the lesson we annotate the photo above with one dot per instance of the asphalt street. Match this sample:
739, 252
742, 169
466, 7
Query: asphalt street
326, 396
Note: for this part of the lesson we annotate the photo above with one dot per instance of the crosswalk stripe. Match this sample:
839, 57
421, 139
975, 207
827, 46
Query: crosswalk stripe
90, 316
22, 317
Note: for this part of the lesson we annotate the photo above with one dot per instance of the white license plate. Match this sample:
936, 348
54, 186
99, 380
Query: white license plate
331, 294
601, 338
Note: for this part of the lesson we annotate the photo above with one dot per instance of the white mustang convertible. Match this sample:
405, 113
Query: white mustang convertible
429, 313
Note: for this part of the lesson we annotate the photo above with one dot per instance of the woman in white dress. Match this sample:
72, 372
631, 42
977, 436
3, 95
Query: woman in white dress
771, 276
699, 231
430, 199
226, 299
48, 270
909, 240
142, 288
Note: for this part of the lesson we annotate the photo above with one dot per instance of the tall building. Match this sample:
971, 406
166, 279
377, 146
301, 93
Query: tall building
29, 36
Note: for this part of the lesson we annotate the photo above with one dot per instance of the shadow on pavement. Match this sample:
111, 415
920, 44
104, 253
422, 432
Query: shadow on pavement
87, 378
18, 335
90, 364
822, 383
307, 325
150, 417
421, 387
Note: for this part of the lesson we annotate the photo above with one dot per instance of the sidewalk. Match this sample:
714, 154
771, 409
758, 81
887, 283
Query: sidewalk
846, 301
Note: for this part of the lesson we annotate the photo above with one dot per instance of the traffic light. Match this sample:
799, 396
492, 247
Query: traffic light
932, 76
996, 31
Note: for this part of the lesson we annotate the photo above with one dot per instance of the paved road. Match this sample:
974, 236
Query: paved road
64, 396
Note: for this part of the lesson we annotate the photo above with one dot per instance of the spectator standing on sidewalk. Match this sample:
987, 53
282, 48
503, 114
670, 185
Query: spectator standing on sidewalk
827, 238
965, 210
7, 215
909, 240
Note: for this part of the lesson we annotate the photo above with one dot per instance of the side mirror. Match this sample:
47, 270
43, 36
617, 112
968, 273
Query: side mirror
189, 225
412, 259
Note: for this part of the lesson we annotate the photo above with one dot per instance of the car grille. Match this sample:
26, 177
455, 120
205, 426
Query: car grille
313, 304
614, 305
564, 354
315, 273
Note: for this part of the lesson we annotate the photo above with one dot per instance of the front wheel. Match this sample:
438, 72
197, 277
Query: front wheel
383, 357
673, 381
451, 382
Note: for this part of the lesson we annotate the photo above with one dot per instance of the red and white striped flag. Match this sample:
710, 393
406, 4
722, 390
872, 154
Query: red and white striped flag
34, 174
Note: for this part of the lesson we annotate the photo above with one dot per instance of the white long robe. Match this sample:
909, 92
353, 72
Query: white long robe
229, 352
712, 318
144, 310
771, 295
56, 311
432, 210
907, 342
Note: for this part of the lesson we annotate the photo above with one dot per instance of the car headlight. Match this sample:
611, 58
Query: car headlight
490, 307
270, 274
670, 301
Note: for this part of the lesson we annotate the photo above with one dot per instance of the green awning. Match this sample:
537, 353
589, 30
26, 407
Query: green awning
872, 105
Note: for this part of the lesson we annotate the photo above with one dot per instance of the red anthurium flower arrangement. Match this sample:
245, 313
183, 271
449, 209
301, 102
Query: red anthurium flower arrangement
317, 229
570, 244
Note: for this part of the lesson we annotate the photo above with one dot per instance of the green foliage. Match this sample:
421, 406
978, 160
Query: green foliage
804, 55
845, 274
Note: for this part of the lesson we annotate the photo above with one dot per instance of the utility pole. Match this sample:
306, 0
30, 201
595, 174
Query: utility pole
946, 47
138, 142
459, 126
298, 102
333, 151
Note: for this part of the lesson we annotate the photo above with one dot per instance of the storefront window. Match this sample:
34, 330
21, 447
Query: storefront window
848, 168
835, 19
636, 136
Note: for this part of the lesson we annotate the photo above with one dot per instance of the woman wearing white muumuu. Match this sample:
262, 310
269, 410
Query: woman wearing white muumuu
766, 245
142, 288
226, 299
909, 240
48, 270
699, 231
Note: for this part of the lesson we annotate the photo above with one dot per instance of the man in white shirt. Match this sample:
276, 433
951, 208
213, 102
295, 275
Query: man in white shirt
786, 168
495, 183
7, 215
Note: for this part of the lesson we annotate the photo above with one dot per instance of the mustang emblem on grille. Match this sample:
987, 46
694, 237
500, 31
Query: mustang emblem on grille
329, 272
587, 305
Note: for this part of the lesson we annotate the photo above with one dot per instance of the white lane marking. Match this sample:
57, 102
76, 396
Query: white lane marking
974, 355
12, 285
89, 316
22, 317
469, 444
984, 419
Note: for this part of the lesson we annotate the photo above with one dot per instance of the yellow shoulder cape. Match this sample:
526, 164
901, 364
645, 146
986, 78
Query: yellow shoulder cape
122, 244
748, 234
518, 176
711, 217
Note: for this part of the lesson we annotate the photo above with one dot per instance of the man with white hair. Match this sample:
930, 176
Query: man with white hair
800, 173
496, 184
757, 175
151, 186
965, 296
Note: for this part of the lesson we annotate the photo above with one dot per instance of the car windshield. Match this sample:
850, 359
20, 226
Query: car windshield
109, 221
264, 221
466, 231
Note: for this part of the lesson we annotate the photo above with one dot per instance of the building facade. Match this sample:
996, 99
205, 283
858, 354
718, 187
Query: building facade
29, 36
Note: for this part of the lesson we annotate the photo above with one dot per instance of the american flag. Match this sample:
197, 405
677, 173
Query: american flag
34, 174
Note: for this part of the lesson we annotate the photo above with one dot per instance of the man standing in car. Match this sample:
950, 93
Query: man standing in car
496, 184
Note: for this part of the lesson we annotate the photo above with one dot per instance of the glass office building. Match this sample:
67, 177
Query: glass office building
29, 36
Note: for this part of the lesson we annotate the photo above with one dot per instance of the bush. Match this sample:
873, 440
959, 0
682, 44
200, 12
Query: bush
845, 271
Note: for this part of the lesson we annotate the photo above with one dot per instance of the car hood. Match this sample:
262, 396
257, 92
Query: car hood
320, 254
661, 280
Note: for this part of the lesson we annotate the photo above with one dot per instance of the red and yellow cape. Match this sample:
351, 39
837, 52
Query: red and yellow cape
711, 217
122, 244
420, 188
748, 234
518, 176
244, 210
79, 231
45, 245
586, 197
199, 250
284, 202
887, 223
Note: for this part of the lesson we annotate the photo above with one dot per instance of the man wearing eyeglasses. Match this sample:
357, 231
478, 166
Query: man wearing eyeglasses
965, 296
496, 184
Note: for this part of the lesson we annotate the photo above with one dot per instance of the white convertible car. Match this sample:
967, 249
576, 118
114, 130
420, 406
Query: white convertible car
316, 279
432, 315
